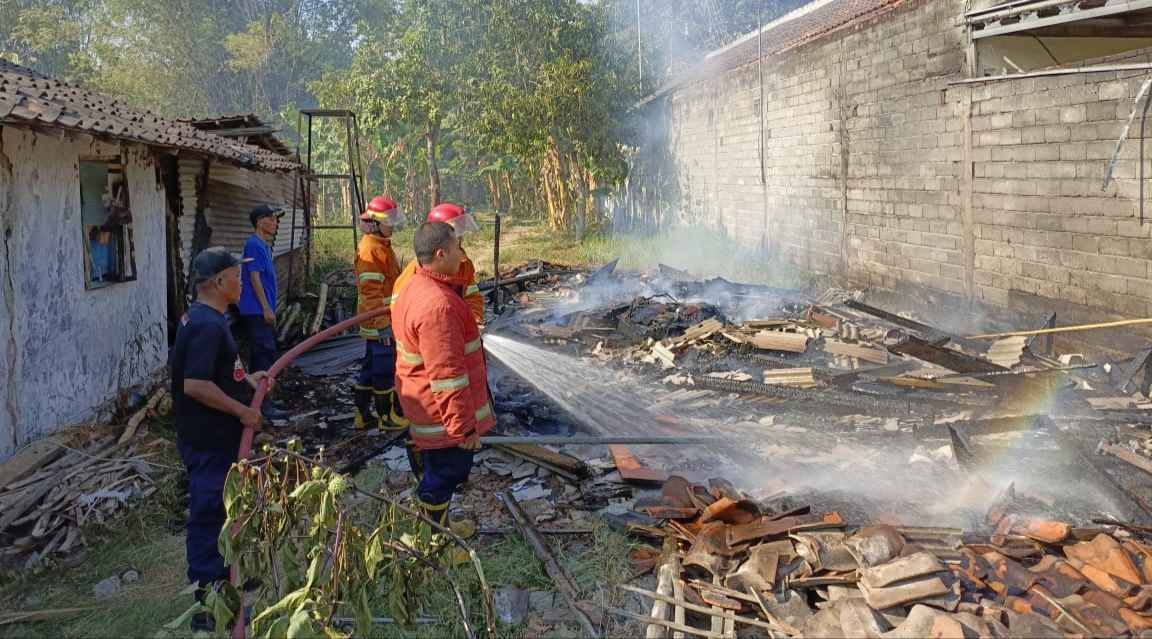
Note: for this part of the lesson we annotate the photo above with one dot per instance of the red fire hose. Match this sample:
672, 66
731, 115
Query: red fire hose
238, 628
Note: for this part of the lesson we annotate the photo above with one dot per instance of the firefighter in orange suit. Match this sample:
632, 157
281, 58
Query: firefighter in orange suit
376, 273
441, 378
462, 223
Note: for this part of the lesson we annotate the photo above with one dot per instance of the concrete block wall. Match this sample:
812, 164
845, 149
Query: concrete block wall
861, 151
904, 139
1044, 224
884, 168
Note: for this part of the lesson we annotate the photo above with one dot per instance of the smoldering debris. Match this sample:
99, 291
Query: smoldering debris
824, 391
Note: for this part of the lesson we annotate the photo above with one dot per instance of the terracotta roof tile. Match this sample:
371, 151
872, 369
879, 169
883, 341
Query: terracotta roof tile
28, 97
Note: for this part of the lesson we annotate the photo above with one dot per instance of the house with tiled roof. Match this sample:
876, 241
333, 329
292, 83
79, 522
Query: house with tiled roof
102, 205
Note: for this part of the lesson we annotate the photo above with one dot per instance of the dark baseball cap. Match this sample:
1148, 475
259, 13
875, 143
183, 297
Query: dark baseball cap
211, 261
264, 210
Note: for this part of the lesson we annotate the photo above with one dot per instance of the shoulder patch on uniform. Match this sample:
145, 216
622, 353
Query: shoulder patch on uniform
238, 373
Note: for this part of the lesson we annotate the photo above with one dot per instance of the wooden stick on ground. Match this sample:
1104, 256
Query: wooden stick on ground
717, 620
1064, 329
39, 615
289, 319
667, 624
559, 576
1135, 459
678, 612
315, 328
687, 605
139, 416
700, 584
664, 579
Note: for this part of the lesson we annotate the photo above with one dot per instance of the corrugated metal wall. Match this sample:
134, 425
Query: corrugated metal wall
232, 193
189, 174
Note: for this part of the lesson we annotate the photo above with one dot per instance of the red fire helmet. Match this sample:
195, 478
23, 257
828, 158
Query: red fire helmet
383, 210
454, 215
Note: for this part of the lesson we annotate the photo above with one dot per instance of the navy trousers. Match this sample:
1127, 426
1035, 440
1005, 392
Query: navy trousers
378, 367
441, 473
261, 342
206, 472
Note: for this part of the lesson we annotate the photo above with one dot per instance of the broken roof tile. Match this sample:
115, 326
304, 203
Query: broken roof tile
28, 97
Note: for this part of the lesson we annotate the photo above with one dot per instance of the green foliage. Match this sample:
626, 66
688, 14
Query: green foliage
291, 524
522, 105
189, 59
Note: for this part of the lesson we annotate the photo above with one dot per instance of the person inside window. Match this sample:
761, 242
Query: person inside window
98, 241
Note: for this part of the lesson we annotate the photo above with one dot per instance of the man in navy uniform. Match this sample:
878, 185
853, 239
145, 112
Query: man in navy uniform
211, 393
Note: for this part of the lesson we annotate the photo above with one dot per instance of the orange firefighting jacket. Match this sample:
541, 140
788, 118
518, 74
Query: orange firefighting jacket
441, 378
465, 282
376, 273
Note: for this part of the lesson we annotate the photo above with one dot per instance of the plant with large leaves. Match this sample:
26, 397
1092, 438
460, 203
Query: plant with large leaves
292, 525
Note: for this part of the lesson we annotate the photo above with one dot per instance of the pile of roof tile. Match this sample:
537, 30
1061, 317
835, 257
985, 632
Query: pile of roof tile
29, 98
777, 567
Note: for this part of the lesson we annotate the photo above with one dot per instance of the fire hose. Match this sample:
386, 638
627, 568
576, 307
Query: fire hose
239, 627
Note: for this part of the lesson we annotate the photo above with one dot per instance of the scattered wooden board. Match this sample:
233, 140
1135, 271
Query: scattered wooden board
778, 341
664, 355
566, 464
859, 351
798, 377
768, 323
631, 469
29, 459
1111, 403
703, 330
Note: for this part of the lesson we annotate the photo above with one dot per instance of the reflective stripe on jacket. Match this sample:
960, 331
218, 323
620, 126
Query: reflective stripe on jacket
440, 374
464, 283
376, 273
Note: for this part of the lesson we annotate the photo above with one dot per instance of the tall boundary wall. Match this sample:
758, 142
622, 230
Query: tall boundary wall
883, 167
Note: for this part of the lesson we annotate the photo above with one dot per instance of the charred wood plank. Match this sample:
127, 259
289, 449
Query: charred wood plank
566, 466
893, 318
949, 358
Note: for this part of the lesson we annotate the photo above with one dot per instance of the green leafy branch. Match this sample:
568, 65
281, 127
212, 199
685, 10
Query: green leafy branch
291, 519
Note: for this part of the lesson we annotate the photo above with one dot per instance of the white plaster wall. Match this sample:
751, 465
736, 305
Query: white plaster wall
77, 348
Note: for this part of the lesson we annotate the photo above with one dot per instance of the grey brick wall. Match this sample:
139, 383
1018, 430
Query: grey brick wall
881, 167
1044, 225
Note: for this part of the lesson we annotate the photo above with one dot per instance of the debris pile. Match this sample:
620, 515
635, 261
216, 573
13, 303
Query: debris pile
830, 362
731, 560
51, 492
777, 337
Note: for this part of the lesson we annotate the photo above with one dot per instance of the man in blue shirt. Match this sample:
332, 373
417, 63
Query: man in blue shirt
258, 299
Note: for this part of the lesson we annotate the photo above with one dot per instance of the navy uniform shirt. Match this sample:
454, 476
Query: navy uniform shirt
205, 350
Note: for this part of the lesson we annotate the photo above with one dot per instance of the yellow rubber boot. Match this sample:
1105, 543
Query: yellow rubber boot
396, 413
453, 555
363, 401
436, 512
463, 528
384, 410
